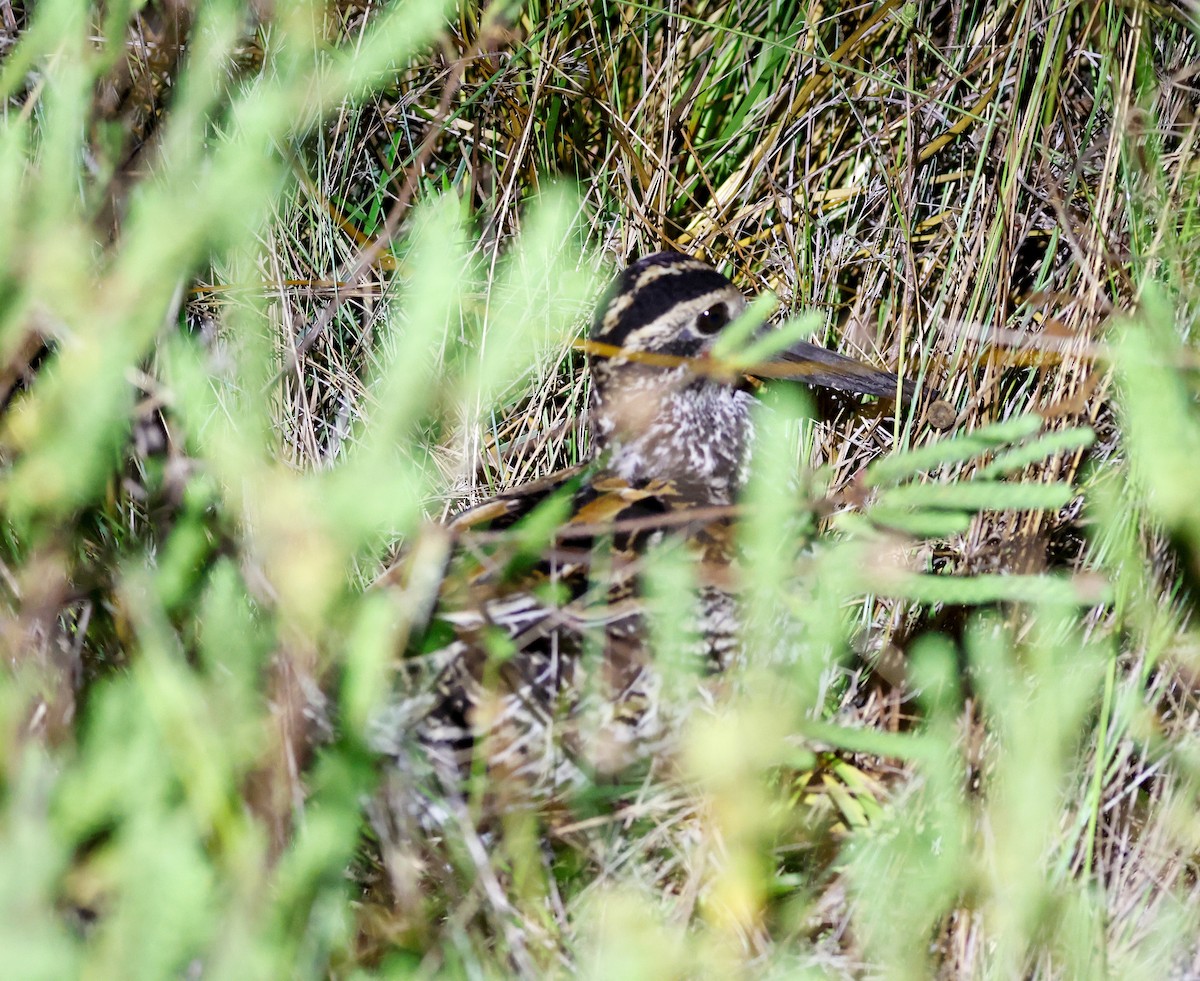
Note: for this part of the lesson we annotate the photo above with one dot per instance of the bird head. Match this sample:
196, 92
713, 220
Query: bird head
668, 304
660, 407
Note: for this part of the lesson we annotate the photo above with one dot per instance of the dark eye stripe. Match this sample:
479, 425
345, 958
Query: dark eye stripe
622, 313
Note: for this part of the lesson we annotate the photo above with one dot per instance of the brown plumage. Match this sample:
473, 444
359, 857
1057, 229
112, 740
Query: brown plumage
543, 676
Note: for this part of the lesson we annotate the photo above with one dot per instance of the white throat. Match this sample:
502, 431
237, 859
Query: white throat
657, 425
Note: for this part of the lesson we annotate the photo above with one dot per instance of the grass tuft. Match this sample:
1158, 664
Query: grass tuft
283, 288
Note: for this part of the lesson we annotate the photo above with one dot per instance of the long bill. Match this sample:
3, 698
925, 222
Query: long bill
816, 365
802, 362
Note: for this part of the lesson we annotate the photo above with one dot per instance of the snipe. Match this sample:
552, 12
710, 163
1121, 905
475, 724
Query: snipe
542, 674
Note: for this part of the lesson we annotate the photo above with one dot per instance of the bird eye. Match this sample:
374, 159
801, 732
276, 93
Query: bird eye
712, 320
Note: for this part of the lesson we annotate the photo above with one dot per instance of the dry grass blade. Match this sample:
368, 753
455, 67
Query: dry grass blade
268, 311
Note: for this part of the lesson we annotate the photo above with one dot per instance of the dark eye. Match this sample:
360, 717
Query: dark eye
712, 320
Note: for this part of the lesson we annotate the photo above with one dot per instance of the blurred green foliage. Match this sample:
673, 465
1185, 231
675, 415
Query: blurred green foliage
193, 806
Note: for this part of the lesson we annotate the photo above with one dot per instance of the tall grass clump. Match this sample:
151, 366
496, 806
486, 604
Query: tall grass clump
282, 288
